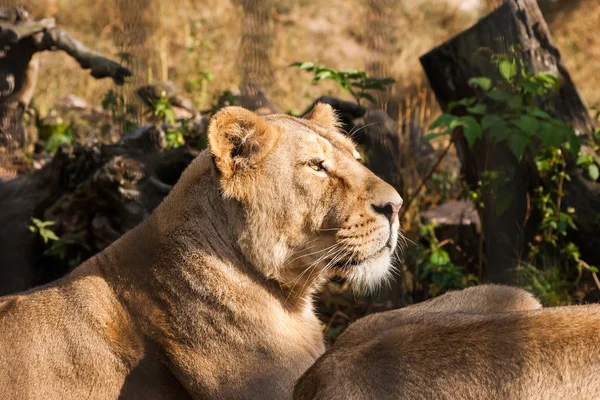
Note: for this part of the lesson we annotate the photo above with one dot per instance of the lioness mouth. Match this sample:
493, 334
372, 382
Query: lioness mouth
353, 263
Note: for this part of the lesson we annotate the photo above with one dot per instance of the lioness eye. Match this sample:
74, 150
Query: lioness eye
317, 165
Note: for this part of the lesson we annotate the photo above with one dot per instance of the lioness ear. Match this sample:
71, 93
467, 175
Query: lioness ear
324, 115
239, 139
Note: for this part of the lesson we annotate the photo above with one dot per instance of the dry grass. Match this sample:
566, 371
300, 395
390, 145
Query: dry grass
575, 34
333, 34
177, 39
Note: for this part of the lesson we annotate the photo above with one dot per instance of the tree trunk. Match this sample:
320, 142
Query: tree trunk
449, 68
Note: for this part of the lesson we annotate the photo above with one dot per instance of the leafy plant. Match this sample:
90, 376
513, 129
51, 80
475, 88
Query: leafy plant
121, 112
71, 247
163, 109
54, 131
546, 283
59, 247
196, 43
225, 99
435, 265
198, 85
43, 229
508, 112
60, 133
357, 83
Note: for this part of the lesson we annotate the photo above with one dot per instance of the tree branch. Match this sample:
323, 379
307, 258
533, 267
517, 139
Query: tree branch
101, 66
11, 33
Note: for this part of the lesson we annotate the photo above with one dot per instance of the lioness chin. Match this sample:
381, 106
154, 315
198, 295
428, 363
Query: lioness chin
484, 343
210, 297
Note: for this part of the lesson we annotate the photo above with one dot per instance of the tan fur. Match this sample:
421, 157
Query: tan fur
490, 342
211, 296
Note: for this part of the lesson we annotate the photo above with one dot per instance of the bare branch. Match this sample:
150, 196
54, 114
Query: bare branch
11, 33
101, 66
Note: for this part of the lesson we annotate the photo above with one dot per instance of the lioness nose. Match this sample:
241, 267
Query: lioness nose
390, 210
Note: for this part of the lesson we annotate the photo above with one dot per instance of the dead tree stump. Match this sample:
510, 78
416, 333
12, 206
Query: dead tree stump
21, 38
449, 68
92, 194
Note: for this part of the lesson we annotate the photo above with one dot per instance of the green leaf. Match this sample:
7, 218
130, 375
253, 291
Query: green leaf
549, 136
508, 69
497, 127
55, 141
500, 132
302, 65
503, 200
515, 102
429, 137
573, 143
482, 82
584, 160
439, 257
443, 120
498, 96
536, 112
386, 81
169, 115
471, 130
593, 172
518, 143
47, 234
531, 87
466, 102
543, 165
369, 97
489, 120
527, 124
548, 79
478, 109
324, 75
456, 123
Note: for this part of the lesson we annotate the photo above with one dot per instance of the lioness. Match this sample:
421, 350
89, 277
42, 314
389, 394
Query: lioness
210, 297
464, 345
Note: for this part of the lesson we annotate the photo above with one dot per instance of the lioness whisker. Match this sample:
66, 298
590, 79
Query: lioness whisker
358, 129
337, 253
313, 265
310, 254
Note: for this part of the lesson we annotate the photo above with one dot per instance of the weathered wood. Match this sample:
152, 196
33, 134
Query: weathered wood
449, 68
20, 38
93, 194
11, 33
100, 66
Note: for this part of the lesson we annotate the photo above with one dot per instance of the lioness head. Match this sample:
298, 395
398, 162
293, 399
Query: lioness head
309, 208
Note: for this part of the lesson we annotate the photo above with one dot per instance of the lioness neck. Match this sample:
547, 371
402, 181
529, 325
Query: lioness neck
199, 298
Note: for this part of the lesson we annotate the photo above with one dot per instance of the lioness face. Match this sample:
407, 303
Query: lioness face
311, 209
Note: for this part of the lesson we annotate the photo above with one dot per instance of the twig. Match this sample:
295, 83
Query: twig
589, 268
336, 314
426, 179
445, 242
